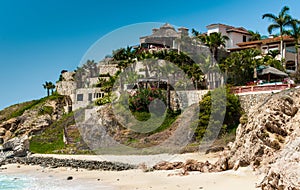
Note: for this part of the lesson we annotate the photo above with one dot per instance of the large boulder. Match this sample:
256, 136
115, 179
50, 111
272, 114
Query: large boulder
16, 147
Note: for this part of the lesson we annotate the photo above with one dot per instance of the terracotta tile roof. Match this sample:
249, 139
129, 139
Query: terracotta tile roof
267, 41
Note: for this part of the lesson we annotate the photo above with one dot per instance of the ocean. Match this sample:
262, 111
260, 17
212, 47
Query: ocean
24, 182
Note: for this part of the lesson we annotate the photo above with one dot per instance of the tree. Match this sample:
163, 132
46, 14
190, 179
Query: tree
280, 21
295, 33
240, 66
49, 86
214, 41
254, 36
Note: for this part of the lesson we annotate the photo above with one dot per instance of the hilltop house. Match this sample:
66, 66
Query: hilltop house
266, 45
236, 35
164, 37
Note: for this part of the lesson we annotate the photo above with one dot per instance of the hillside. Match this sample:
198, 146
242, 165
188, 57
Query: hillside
44, 121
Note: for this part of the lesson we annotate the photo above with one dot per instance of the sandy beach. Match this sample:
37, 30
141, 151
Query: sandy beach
137, 179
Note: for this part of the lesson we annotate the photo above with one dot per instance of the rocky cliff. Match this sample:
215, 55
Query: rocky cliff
39, 115
270, 141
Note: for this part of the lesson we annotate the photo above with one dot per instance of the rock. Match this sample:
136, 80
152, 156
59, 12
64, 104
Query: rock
2, 131
7, 125
214, 149
69, 178
16, 146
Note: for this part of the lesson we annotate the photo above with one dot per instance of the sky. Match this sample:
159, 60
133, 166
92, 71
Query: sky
38, 39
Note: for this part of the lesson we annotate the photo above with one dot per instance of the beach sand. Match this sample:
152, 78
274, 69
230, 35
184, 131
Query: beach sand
244, 178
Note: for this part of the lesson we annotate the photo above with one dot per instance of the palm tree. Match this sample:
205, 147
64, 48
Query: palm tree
295, 33
214, 41
254, 35
51, 87
280, 21
273, 53
48, 86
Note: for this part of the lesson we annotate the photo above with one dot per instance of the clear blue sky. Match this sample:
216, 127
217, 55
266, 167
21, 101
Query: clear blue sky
38, 39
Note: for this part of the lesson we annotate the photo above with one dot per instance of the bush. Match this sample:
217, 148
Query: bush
101, 101
213, 118
140, 101
46, 110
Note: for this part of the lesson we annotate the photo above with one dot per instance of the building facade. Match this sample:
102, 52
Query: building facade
235, 35
289, 55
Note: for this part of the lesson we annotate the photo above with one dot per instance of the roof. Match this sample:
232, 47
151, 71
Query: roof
239, 30
265, 70
230, 28
167, 30
267, 41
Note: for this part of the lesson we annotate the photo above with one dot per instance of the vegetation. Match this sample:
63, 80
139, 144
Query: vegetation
29, 105
279, 21
239, 66
51, 138
295, 33
140, 101
49, 86
210, 118
214, 41
15, 110
254, 36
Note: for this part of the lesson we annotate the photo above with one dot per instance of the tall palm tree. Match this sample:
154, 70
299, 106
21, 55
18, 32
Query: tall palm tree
295, 33
280, 21
46, 86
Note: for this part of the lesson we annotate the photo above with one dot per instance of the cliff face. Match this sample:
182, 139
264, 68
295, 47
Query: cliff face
39, 115
270, 141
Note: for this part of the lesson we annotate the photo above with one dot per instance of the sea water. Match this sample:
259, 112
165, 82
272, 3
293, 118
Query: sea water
23, 182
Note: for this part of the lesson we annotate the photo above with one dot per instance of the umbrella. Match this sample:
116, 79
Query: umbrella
267, 70
271, 70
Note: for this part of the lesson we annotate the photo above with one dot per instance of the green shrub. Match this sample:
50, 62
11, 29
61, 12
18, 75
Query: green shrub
142, 116
51, 139
227, 106
46, 110
101, 101
140, 100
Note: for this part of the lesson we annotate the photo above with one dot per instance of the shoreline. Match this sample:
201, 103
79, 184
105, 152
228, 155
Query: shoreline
137, 179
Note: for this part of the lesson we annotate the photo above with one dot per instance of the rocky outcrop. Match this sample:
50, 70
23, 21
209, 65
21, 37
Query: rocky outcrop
33, 120
264, 135
15, 147
269, 141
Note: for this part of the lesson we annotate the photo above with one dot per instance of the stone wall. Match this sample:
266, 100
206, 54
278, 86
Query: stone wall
111, 69
253, 99
183, 99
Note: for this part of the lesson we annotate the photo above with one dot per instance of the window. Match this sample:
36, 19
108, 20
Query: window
244, 38
90, 97
79, 97
98, 95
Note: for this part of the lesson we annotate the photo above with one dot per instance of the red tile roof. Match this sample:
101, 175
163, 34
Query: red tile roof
267, 41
